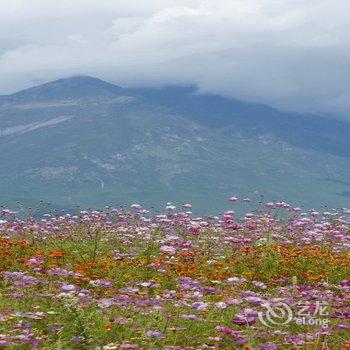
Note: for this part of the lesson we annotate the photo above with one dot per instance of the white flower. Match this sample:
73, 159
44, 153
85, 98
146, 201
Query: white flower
221, 305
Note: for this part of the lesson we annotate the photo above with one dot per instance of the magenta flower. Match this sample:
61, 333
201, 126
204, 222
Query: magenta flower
345, 283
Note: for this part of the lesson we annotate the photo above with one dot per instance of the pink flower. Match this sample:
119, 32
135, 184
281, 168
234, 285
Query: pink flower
168, 249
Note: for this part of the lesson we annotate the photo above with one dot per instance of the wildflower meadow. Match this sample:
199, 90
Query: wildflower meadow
274, 278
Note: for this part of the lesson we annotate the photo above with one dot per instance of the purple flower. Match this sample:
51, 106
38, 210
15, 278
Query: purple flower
61, 272
35, 261
253, 300
4, 343
191, 317
233, 280
26, 281
344, 326
245, 317
66, 288
155, 334
120, 320
168, 249
101, 283
77, 339
259, 284
129, 290
237, 336
340, 315
268, 346
103, 303
200, 306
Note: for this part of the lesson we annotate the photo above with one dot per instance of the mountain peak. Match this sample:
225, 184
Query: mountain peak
68, 88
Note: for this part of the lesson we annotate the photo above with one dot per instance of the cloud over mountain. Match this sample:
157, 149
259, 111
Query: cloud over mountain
292, 54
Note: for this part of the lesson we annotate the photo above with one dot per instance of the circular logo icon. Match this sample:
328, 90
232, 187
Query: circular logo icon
277, 314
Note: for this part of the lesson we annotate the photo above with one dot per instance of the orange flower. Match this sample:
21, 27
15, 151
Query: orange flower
247, 347
56, 254
107, 326
23, 243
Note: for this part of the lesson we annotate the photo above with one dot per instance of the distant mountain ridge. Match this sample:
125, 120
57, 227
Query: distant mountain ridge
75, 87
84, 141
303, 130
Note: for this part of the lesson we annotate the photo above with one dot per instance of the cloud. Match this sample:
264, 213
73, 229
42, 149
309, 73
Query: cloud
291, 54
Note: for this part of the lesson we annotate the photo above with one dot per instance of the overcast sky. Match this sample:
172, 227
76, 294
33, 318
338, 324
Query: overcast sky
291, 54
